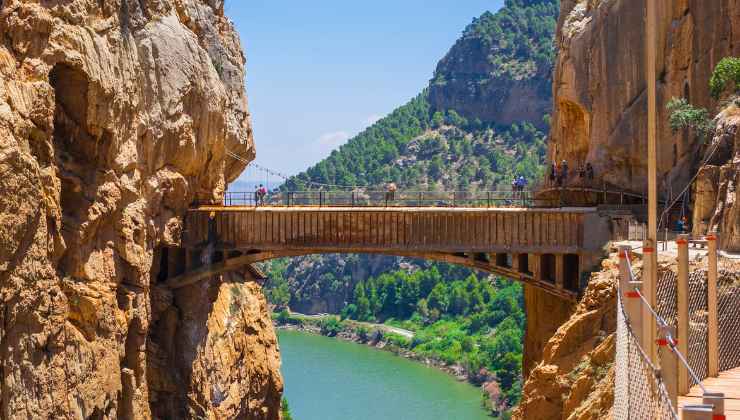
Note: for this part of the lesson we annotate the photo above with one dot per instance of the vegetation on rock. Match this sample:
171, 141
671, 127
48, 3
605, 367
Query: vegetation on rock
285, 410
727, 70
684, 115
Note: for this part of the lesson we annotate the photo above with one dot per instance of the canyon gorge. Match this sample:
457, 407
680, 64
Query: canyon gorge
116, 116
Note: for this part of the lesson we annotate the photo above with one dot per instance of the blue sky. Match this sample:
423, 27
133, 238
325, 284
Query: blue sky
318, 72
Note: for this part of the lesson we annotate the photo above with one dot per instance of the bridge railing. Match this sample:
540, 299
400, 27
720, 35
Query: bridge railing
639, 392
364, 198
360, 197
694, 334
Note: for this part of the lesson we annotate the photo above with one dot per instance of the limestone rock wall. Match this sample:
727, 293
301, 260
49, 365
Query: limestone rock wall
545, 314
715, 192
599, 85
115, 115
575, 378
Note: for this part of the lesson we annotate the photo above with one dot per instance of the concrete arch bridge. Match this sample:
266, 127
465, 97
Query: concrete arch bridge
548, 248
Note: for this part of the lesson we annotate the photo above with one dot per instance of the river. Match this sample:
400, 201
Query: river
329, 379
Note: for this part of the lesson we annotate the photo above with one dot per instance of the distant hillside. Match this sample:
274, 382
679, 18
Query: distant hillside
418, 149
500, 69
447, 137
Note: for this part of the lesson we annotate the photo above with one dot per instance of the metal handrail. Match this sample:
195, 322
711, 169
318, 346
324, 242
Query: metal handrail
360, 197
378, 198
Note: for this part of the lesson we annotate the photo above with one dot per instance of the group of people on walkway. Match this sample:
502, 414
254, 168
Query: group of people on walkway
259, 195
559, 173
519, 183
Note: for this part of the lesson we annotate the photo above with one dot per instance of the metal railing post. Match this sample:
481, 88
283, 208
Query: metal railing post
488, 199
321, 198
605, 198
682, 297
454, 203
712, 322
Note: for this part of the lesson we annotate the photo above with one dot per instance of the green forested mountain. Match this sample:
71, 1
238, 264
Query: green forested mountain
420, 149
499, 70
483, 119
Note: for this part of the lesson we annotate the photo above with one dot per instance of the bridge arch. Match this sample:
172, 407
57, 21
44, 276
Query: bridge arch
226, 262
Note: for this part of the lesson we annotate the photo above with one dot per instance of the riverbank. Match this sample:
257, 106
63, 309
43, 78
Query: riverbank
394, 340
328, 379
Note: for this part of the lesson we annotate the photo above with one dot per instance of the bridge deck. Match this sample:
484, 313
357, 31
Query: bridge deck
727, 382
546, 247
449, 229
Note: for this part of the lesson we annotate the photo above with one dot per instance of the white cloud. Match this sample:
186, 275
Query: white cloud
333, 140
372, 119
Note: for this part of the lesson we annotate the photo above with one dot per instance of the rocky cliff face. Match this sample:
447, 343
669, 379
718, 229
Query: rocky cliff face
575, 379
715, 192
467, 82
500, 69
599, 85
600, 117
114, 117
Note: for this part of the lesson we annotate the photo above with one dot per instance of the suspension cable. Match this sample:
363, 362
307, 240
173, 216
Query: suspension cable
286, 177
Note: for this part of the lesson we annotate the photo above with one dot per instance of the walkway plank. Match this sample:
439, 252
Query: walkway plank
727, 382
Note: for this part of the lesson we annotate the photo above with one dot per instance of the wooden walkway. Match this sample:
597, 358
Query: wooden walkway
727, 382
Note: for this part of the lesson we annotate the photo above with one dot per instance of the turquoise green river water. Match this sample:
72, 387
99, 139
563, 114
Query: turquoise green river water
328, 379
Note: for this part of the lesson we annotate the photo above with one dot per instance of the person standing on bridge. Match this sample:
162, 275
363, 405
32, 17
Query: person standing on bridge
553, 173
261, 193
390, 194
522, 183
589, 171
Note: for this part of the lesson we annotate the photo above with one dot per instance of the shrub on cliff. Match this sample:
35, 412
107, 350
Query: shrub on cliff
285, 410
727, 70
684, 116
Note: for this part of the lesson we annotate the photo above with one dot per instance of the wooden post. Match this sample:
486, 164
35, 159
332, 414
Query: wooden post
649, 325
682, 296
713, 321
717, 401
650, 276
696, 412
669, 366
